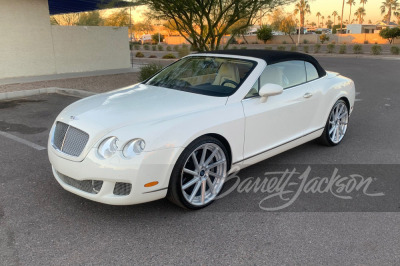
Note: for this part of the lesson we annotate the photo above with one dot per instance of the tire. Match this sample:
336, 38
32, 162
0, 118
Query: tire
193, 187
336, 125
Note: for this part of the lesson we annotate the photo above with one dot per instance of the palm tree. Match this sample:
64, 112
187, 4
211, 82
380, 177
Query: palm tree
318, 15
360, 13
351, 3
334, 14
302, 7
322, 20
363, 2
341, 21
390, 5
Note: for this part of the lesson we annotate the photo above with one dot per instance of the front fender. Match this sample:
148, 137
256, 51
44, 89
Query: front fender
227, 121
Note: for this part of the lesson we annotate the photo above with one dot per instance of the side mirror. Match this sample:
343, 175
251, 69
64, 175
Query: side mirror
270, 89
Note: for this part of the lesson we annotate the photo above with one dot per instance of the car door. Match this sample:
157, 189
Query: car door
282, 118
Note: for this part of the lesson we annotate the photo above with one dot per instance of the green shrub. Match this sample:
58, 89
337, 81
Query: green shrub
234, 47
305, 41
134, 46
395, 50
331, 48
376, 49
169, 56
293, 48
317, 48
366, 42
157, 38
149, 70
176, 48
306, 49
323, 38
343, 49
154, 47
243, 48
183, 51
160, 47
152, 56
357, 49
146, 47
390, 34
264, 33
281, 48
139, 54
268, 48
284, 42
169, 48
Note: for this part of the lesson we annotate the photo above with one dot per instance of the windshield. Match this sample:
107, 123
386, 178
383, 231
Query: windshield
214, 76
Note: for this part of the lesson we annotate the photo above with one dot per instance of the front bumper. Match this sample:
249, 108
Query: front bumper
105, 174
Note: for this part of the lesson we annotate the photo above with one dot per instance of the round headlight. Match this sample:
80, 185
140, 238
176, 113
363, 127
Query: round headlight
108, 147
135, 146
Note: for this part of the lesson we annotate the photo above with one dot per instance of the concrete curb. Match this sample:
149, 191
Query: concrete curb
28, 93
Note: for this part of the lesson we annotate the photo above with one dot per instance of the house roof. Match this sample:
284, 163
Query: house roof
273, 57
383, 23
69, 6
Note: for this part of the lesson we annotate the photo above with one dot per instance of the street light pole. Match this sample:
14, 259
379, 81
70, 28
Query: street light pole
298, 37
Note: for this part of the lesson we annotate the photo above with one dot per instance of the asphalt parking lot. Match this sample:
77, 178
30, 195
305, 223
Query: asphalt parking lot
41, 224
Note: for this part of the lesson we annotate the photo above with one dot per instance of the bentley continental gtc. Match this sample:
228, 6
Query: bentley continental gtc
178, 133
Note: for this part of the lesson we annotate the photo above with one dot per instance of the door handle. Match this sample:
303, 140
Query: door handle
307, 95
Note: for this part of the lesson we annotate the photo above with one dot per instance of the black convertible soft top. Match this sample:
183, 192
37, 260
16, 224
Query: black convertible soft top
273, 57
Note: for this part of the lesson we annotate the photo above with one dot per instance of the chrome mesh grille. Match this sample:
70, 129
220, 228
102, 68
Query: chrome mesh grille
90, 186
122, 189
69, 139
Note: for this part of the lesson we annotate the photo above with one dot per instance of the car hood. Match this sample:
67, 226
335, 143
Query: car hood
136, 105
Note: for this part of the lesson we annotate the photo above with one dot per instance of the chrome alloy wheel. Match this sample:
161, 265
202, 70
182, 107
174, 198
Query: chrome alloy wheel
203, 174
338, 120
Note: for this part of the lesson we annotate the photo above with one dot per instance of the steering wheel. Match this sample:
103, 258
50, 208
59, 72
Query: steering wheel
229, 81
182, 83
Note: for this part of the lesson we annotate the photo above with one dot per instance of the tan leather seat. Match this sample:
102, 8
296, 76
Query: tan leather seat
227, 71
272, 75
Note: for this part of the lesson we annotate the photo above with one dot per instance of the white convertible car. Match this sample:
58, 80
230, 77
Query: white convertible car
179, 133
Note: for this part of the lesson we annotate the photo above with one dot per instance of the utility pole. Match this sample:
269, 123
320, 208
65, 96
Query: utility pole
130, 21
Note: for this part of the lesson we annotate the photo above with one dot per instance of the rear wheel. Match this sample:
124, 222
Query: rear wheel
336, 126
199, 174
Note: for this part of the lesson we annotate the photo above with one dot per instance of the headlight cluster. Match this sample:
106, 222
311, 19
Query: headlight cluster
109, 147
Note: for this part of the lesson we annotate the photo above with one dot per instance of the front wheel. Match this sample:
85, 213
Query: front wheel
336, 126
199, 174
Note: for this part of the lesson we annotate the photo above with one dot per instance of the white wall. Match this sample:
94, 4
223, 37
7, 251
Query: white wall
26, 46
354, 28
30, 46
79, 49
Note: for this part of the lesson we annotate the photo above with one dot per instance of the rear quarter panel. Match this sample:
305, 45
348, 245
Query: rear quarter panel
334, 87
